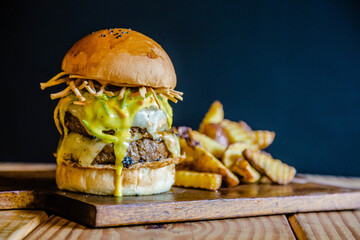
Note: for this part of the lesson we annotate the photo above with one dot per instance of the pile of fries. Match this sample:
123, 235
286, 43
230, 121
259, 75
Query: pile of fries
225, 153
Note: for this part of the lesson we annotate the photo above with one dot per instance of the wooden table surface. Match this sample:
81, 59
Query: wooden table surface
38, 224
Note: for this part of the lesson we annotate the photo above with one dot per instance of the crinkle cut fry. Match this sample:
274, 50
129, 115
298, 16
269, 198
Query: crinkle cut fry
276, 170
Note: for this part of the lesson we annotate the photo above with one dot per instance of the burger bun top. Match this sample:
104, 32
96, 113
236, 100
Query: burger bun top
121, 57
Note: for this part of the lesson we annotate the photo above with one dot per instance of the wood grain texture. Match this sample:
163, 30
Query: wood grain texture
182, 204
20, 193
269, 227
36, 189
28, 170
348, 182
25, 185
24, 199
16, 224
326, 225
29, 167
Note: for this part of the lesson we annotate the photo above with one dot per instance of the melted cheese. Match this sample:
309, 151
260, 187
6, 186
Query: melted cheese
109, 113
152, 119
172, 143
76, 146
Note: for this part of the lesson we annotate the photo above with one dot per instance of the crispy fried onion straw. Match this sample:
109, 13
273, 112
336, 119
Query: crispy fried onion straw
122, 93
76, 91
155, 97
142, 92
82, 82
76, 83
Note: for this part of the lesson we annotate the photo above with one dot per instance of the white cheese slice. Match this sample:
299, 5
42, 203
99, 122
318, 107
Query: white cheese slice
80, 148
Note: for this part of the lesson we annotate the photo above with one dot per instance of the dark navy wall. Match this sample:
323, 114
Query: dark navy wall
288, 66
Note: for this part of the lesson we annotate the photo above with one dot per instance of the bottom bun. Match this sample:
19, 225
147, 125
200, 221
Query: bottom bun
142, 181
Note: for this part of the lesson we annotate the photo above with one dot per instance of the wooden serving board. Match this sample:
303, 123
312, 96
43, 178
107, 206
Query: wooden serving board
177, 205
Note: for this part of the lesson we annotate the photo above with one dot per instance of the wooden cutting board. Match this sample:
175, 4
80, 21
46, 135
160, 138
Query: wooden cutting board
24, 190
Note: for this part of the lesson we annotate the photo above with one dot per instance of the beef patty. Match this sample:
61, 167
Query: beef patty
142, 150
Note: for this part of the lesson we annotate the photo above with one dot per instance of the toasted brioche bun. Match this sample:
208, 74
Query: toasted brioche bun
121, 56
101, 181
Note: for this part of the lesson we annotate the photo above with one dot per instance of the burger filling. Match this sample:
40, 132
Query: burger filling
134, 129
145, 149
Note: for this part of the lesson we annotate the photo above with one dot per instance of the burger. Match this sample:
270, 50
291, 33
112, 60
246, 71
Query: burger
114, 116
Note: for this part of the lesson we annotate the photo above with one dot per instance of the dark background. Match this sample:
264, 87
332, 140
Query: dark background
288, 66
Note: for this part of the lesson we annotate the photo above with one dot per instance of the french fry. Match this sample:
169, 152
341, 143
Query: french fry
245, 126
208, 143
209, 181
264, 180
206, 162
216, 132
190, 153
185, 133
277, 171
238, 147
215, 114
233, 159
234, 152
263, 138
246, 171
199, 159
235, 132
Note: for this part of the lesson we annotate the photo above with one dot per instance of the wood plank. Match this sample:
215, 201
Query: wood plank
36, 190
25, 185
267, 227
184, 204
338, 181
30, 167
28, 170
326, 225
24, 199
17, 224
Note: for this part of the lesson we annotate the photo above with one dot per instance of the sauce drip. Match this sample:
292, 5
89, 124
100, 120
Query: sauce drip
104, 113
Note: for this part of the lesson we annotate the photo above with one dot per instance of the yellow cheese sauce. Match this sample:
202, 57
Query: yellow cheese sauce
104, 113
